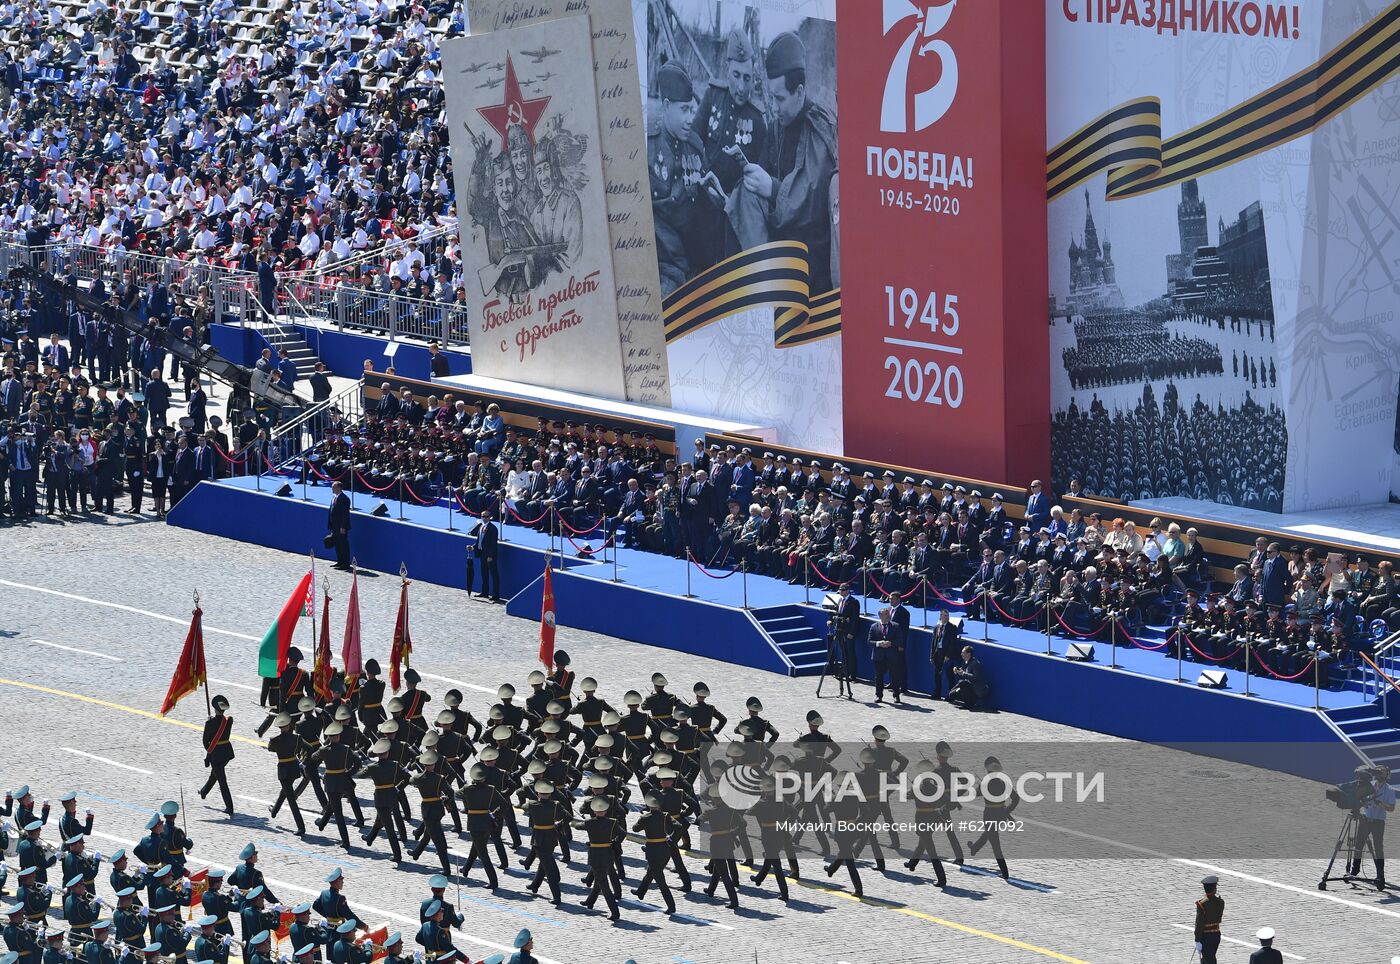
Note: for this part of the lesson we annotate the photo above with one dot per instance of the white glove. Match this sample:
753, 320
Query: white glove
97, 902
1198, 947
7, 827
144, 912
125, 950
48, 890
417, 957
276, 908
97, 856
228, 941
142, 868
188, 930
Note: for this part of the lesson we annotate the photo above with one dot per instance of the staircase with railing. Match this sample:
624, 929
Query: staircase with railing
1371, 728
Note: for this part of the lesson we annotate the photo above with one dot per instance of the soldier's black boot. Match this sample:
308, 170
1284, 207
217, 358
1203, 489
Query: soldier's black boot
1001, 866
938, 869
1380, 873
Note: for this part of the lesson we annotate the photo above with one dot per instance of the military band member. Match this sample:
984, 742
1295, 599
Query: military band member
80, 909
217, 902
70, 825
210, 945
218, 751
331, 903
95, 949
32, 852
304, 934
344, 950
21, 940
77, 861
256, 916
260, 948
55, 951
129, 920
175, 844
121, 878
170, 935
433, 936
36, 898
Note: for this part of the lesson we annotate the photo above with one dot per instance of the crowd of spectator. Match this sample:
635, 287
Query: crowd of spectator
1127, 347
272, 141
1231, 455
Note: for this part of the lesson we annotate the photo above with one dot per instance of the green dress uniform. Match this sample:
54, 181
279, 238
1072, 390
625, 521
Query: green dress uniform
435, 939
32, 855
211, 949
95, 952
254, 920
171, 938
79, 865
37, 902
1210, 910
81, 913
24, 942
176, 846
218, 904
303, 935
129, 927
245, 877
434, 791
727, 826
332, 905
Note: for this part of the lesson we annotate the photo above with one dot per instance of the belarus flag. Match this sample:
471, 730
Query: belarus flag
272, 651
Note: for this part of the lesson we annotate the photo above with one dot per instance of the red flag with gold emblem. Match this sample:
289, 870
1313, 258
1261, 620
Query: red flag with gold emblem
189, 671
376, 938
284, 925
547, 619
321, 674
199, 883
402, 649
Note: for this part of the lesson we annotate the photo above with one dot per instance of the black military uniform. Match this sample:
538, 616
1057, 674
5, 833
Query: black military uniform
545, 815
385, 775
484, 805
340, 763
434, 790
218, 751
655, 826
285, 746
603, 831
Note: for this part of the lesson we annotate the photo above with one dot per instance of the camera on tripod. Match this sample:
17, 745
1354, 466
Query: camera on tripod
1355, 794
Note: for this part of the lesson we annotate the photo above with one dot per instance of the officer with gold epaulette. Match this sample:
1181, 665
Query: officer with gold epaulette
730, 129
675, 158
603, 831
1210, 909
20, 939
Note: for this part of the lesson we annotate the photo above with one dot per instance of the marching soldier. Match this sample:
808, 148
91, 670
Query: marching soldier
218, 751
310, 729
210, 945
675, 158
69, 825
36, 898
78, 862
434, 791
54, 950
292, 684
437, 884
433, 936
1210, 909
120, 879
80, 910
385, 774
25, 813
33, 853
769, 812
175, 845
655, 828
256, 916
340, 784
331, 903
169, 934
590, 710
260, 948
168, 889
246, 875
545, 814
928, 814
285, 745
95, 949
128, 920
344, 950
726, 827
484, 805
20, 939
371, 697
602, 830
758, 727
305, 936
393, 950
217, 903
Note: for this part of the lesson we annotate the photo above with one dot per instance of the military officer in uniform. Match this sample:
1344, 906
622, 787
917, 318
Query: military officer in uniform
1267, 953
331, 903
602, 830
218, 751
217, 902
675, 158
484, 805
19, 939
1209, 911
731, 130
286, 745
246, 875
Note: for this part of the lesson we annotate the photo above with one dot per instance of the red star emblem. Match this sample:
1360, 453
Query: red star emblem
517, 109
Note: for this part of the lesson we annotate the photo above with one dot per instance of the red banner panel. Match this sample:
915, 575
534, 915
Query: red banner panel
944, 293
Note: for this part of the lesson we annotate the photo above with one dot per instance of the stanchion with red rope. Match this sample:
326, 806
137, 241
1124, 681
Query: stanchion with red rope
885, 593
1031, 618
696, 563
1276, 675
821, 575
1089, 635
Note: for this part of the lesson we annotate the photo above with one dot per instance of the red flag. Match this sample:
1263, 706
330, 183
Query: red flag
199, 883
321, 672
376, 939
547, 618
403, 643
189, 672
284, 924
350, 648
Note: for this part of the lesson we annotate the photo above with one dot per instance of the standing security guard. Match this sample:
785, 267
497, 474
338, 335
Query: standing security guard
1209, 911
730, 127
675, 158
218, 751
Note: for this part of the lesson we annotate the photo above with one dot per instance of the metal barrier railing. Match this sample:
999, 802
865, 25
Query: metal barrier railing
382, 312
298, 435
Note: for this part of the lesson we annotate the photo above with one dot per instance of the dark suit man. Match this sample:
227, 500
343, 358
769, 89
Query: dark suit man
1274, 579
886, 650
1037, 508
196, 407
157, 399
947, 641
487, 553
22, 458
971, 687
338, 524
